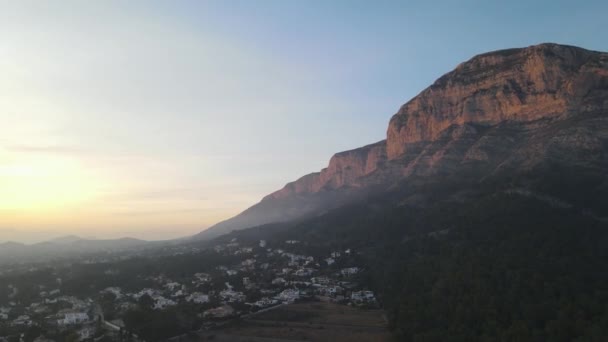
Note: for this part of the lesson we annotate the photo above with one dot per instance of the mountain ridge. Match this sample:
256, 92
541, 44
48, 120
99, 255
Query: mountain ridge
501, 112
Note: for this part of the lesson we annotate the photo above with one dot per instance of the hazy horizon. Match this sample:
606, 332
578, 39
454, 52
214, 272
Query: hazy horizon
155, 120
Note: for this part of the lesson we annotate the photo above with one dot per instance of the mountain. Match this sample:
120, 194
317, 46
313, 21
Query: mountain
517, 116
66, 239
66, 246
11, 246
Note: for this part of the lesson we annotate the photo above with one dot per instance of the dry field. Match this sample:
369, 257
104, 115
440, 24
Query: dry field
316, 321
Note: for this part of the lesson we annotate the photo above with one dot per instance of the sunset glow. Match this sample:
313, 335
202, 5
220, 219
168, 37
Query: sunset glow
43, 184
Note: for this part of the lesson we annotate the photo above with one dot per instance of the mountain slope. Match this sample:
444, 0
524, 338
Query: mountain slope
500, 114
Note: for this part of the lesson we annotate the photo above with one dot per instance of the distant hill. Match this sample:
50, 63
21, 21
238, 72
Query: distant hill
63, 247
65, 239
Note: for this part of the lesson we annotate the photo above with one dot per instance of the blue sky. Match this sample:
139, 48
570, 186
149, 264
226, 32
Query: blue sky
158, 119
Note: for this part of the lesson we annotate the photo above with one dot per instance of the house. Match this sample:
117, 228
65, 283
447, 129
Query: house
219, 312
71, 318
198, 298
202, 277
363, 297
116, 291
231, 272
23, 320
292, 242
4, 313
335, 254
349, 271
304, 272
288, 295
264, 302
330, 291
330, 261
172, 286
161, 302
149, 292
320, 280
39, 308
278, 281
232, 296
262, 243
248, 262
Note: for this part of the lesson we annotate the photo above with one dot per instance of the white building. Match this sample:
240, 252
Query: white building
198, 298
23, 320
278, 281
116, 291
232, 296
149, 292
219, 312
349, 271
161, 302
264, 302
320, 280
288, 295
262, 243
73, 318
4, 313
172, 286
202, 277
363, 297
248, 262
304, 272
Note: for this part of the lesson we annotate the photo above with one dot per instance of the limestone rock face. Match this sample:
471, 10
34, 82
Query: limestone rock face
542, 81
506, 112
344, 169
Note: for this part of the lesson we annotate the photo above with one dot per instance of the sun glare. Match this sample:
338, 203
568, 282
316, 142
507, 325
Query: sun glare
43, 184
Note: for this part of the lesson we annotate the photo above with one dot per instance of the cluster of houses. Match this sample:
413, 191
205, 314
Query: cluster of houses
51, 309
262, 277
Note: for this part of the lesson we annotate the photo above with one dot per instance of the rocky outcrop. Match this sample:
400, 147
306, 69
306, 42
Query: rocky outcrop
500, 113
543, 81
345, 169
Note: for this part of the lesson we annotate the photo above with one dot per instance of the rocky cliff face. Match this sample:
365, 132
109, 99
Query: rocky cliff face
345, 169
501, 112
543, 81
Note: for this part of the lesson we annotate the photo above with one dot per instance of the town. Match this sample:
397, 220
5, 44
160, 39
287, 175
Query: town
229, 279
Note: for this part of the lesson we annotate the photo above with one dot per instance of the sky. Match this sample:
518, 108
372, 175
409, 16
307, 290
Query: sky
157, 119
